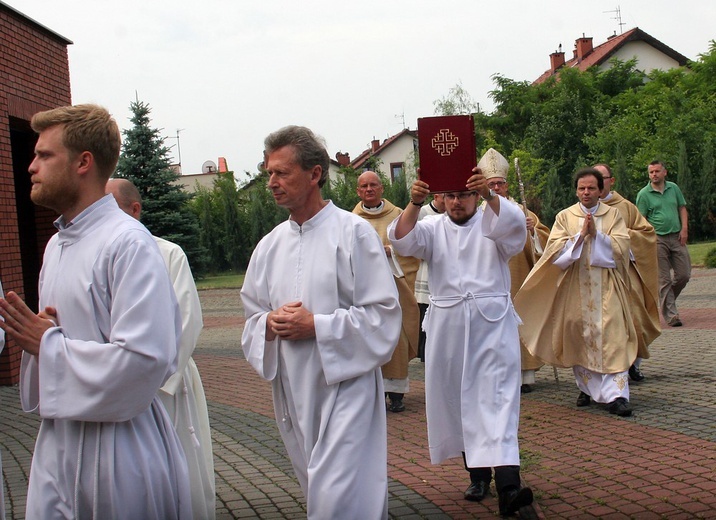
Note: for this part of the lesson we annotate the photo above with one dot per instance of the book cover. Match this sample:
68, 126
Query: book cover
446, 145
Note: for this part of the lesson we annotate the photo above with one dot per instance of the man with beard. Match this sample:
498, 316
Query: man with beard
472, 365
105, 341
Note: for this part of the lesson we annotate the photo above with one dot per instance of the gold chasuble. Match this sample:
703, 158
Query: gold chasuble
643, 272
520, 266
407, 348
580, 315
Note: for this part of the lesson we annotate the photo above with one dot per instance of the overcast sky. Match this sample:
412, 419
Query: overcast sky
228, 72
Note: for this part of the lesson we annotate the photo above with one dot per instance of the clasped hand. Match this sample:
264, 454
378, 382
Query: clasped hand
23, 325
290, 321
588, 228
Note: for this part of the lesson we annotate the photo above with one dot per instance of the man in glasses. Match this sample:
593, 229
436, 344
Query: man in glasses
380, 212
522, 263
643, 270
472, 365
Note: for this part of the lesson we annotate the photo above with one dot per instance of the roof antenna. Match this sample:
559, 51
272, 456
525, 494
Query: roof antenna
401, 116
618, 18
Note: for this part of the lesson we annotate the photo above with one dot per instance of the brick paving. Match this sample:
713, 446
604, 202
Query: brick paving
581, 463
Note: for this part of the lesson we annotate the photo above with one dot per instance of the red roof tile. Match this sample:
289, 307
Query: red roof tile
602, 53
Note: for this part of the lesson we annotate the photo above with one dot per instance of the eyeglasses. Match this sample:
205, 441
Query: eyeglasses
462, 196
496, 184
372, 186
605, 177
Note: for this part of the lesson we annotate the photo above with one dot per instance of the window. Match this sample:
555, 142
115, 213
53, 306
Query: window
396, 171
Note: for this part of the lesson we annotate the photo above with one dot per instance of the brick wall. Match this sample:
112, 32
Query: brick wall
34, 76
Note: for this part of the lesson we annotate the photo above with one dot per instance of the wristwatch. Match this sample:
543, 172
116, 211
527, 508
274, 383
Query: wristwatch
490, 196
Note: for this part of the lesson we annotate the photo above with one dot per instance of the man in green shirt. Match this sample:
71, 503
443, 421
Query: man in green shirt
664, 206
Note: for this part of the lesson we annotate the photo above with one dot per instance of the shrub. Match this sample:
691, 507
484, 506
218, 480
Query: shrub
710, 259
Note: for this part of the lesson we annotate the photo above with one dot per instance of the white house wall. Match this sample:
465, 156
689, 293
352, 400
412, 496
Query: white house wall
399, 151
649, 58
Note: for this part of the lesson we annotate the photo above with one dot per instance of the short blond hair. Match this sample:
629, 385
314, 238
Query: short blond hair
86, 128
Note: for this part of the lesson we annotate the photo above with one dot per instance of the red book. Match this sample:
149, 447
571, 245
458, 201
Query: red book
446, 145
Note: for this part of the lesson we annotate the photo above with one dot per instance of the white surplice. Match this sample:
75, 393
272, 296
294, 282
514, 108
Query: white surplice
328, 390
183, 394
106, 446
472, 365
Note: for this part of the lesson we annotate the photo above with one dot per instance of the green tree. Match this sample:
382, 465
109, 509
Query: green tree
211, 230
458, 101
165, 211
236, 243
342, 191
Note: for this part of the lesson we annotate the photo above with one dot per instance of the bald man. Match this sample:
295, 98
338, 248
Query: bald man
183, 394
379, 212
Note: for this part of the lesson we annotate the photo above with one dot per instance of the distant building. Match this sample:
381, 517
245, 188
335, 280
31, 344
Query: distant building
205, 179
394, 155
649, 52
34, 76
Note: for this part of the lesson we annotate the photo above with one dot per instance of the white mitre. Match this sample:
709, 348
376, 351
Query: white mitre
493, 164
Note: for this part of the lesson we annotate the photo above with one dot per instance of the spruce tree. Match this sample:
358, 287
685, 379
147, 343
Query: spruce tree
165, 212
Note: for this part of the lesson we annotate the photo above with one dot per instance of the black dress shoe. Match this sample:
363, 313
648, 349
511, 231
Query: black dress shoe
513, 499
477, 491
525, 389
620, 407
396, 405
635, 374
583, 399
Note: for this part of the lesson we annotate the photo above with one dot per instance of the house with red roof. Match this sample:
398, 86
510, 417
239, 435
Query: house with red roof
396, 155
649, 52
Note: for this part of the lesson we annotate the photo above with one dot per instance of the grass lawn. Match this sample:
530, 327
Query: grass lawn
698, 252
234, 281
221, 281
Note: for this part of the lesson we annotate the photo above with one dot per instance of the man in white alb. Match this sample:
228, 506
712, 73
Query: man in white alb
103, 344
183, 394
320, 333
472, 365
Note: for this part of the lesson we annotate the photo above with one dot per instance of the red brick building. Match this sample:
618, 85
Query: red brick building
34, 76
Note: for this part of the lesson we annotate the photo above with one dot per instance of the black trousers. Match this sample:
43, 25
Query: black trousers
423, 307
506, 477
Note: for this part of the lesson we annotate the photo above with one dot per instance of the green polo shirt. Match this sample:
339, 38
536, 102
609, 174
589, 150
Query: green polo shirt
661, 209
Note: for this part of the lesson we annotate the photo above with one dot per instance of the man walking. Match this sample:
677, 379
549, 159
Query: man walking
183, 394
472, 365
103, 344
664, 206
380, 212
322, 317
643, 269
583, 320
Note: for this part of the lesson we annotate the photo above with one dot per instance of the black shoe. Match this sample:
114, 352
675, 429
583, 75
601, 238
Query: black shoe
513, 499
583, 399
477, 491
675, 322
525, 389
635, 374
620, 407
396, 405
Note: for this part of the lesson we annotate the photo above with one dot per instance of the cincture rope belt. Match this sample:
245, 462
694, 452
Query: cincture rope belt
445, 302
